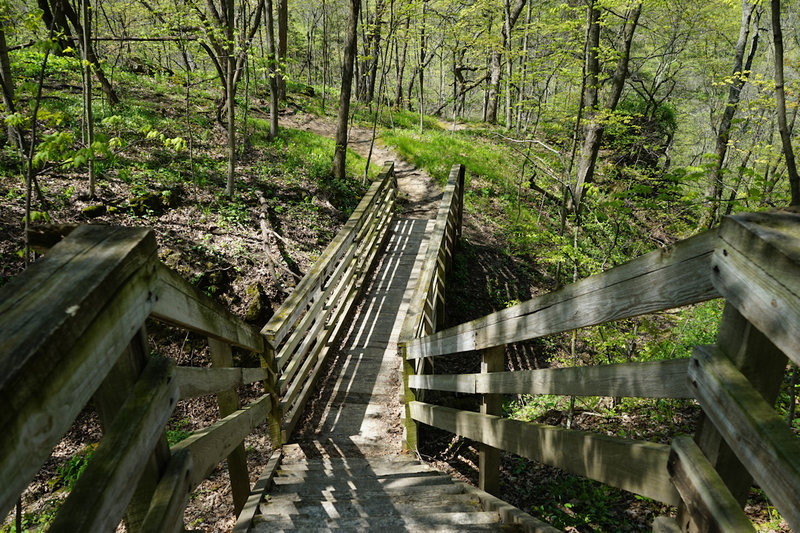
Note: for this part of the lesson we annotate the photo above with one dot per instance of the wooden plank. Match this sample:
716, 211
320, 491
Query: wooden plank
197, 381
652, 379
711, 505
76, 279
513, 518
634, 288
101, 494
171, 495
278, 327
44, 396
108, 400
228, 403
186, 306
42, 238
758, 436
211, 445
492, 360
757, 268
245, 519
632, 465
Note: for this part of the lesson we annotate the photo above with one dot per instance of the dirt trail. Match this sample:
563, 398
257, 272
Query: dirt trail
419, 193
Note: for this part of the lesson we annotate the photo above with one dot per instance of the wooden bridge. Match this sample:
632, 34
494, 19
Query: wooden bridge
368, 314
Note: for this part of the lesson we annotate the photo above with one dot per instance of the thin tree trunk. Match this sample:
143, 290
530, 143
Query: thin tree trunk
594, 128
230, 73
350, 47
401, 66
495, 71
740, 76
283, 45
788, 152
87, 94
7, 88
272, 61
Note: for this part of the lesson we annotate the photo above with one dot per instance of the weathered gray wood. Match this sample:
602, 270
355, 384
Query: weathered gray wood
198, 381
46, 391
634, 288
245, 519
492, 360
757, 268
508, 513
108, 400
171, 495
632, 465
102, 493
665, 524
429, 277
757, 358
184, 305
228, 402
653, 379
42, 238
711, 505
211, 445
280, 324
751, 427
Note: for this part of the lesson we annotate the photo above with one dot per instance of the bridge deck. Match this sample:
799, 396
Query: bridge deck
345, 469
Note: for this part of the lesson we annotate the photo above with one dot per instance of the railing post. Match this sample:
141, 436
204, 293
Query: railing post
108, 400
228, 402
492, 360
275, 418
757, 358
409, 425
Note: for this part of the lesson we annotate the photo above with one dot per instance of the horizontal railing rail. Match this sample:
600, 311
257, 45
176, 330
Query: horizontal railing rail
753, 261
72, 331
300, 333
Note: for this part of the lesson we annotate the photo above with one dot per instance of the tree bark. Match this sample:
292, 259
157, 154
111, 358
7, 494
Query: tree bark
350, 46
401, 66
273, 73
230, 84
495, 71
593, 132
740, 76
7, 87
788, 152
283, 45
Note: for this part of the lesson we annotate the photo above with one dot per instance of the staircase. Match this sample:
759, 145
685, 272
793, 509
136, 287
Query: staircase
368, 494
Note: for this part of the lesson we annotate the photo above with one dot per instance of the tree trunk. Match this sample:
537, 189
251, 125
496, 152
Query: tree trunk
230, 75
283, 45
401, 66
788, 152
740, 75
7, 87
87, 93
350, 44
495, 71
375, 48
272, 61
594, 128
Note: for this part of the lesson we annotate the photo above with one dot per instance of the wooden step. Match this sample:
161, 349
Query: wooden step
471, 521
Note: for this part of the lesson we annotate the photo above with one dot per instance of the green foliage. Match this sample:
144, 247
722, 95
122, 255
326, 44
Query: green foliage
178, 431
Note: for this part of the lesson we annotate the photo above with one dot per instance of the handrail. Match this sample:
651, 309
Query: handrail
63, 324
753, 261
426, 308
300, 333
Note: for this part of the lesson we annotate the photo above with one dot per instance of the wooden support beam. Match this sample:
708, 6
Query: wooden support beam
228, 402
101, 494
199, 381
213, 444
757, 268
171, 495
492, 360
653, 379
750, 426
710, 504
245, 519
632, 465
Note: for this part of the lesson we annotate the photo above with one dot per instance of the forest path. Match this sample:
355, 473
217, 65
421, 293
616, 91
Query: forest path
419, 193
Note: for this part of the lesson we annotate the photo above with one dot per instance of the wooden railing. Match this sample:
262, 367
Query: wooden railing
426, 310
300, 333
72, 332
753, 261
